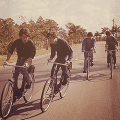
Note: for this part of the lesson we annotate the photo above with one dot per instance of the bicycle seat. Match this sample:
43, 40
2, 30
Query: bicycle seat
31, 69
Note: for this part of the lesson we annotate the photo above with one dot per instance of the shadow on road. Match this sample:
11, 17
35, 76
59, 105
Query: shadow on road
25, 108
99, 72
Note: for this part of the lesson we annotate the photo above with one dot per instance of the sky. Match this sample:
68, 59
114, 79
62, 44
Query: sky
92, 15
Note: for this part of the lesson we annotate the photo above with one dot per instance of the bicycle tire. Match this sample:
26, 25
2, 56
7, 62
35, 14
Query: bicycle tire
88, 65
63, 89
28, 92
47, 95
6, 100
111, 69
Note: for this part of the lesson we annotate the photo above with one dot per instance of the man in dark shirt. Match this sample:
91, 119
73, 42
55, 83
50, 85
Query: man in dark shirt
64, 53
111, 44
25, 52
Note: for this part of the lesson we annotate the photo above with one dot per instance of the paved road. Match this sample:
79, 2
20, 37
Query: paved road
97, 99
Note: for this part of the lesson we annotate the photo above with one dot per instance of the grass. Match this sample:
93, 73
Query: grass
14, 56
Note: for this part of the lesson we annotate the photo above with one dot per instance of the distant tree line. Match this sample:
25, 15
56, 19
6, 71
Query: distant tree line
9, 32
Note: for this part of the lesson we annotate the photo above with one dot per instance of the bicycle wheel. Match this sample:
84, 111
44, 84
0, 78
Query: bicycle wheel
28, 92
6, 100
88, 65
111, 69
64, 88
47, 95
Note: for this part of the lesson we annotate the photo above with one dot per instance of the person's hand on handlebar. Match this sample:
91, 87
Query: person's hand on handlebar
68, 62
26, 65
49, 60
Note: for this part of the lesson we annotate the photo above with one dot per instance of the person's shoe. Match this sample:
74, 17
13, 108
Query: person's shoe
64, 81
84, 71
19, 95
114, 65
91, 63
28, 85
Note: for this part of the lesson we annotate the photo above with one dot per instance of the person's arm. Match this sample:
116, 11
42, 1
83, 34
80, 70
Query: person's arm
83, 45
10, 52
8, 56
106, 46
94, 46
26, 64
53, 51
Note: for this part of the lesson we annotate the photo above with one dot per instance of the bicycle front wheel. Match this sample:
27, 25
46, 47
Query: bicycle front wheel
64, 88
47, 95
6, 100
28, 92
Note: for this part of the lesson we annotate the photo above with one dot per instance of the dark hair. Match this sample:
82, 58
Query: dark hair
90, 34
24, 31
107, 33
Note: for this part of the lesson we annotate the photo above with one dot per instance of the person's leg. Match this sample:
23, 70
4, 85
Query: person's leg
91, 55
15, 77
52, 70
26, 75
64, 71
114, 57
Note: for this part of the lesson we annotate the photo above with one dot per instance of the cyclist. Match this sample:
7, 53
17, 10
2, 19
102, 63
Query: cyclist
88, 44
64, 54
111, 44
25, 51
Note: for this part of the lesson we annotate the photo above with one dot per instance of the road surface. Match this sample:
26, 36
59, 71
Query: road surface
97, 99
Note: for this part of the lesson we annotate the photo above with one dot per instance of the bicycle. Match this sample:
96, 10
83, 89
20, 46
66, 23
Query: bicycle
88, 60
54, 86
111, 61
7, 92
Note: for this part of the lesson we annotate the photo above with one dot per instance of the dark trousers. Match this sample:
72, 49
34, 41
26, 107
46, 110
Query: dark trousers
113, 55
64, 68
23, 71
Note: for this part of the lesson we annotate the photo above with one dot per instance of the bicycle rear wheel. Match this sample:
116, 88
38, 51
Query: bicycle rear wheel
6, 100
47, 95
88, 65
111, 69
28, 92
64, 88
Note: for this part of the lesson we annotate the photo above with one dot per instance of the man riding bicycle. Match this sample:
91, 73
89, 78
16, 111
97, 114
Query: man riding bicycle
64, 54
111, 44
25, 51
88, 44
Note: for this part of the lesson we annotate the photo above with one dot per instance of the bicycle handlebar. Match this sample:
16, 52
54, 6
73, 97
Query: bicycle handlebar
57, 63
15, 66
110, 50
